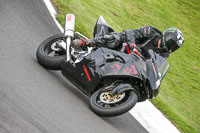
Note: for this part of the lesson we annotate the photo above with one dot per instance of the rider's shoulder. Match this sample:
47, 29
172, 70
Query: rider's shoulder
151, 28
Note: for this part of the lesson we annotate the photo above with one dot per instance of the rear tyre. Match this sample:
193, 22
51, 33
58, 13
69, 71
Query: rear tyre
103, 104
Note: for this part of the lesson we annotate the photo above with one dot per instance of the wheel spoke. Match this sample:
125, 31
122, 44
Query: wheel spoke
100, 103
106, 97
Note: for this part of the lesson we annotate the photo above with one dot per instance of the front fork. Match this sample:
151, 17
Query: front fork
68, 35
68, 48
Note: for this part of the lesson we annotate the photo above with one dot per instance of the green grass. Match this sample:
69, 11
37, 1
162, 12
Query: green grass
179, 97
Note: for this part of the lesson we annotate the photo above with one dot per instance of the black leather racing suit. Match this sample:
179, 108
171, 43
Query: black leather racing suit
145, 38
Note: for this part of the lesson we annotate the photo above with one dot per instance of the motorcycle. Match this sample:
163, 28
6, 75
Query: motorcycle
115, 80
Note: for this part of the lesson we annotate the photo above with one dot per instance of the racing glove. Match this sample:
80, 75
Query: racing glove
112, 40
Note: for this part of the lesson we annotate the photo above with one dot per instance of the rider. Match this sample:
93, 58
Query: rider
140, 40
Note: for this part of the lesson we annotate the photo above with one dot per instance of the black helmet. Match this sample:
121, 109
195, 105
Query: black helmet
172, 39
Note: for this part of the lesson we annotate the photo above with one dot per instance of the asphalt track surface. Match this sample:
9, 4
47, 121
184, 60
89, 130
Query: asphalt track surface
36, 100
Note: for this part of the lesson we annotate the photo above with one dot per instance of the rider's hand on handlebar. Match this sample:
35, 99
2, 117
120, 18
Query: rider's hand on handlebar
108, 38
113, 40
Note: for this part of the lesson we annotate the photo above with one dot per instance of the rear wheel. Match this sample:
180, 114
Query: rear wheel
103, 104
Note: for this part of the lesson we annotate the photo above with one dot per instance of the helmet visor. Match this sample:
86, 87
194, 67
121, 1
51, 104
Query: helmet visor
172, 46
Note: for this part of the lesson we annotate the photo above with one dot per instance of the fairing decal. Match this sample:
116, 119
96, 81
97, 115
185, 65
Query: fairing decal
134, 69
114, 68
86, 72
128, 50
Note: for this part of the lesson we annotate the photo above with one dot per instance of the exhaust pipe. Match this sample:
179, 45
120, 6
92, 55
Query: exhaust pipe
69, 33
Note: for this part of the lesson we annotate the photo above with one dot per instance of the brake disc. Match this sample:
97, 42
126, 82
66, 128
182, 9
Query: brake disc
56, 47
106, 97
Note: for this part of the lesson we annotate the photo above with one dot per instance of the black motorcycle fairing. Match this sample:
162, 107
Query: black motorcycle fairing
92, 69
82, 75
104, 64
101, 28
152, 77
162, 66
157, 67
122, 65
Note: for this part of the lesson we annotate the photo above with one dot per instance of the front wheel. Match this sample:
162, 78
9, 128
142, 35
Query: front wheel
49, 55
103, 104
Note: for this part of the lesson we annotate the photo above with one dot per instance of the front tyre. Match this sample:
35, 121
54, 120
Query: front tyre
50, 56
103, 104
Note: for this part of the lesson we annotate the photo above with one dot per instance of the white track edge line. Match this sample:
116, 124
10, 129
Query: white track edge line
145, 112
53, 13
